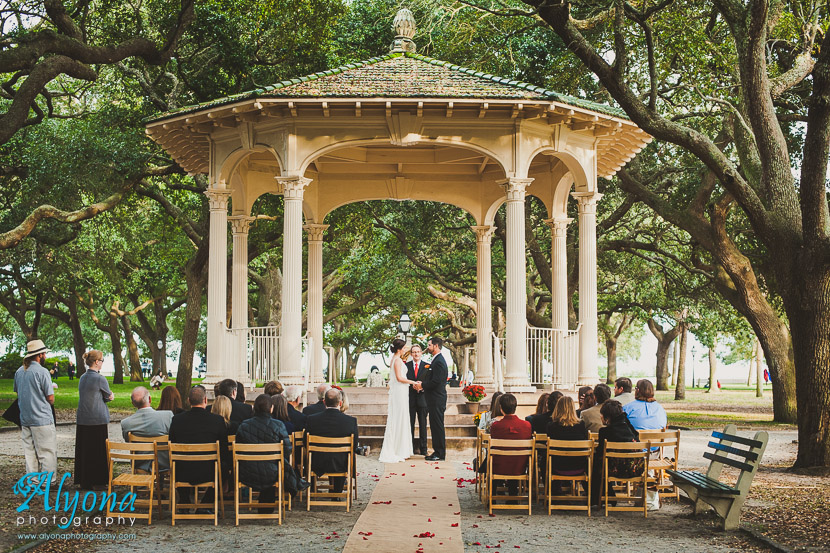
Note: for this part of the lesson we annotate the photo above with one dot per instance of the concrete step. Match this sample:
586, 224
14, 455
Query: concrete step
457, 442
451, 430
381, 419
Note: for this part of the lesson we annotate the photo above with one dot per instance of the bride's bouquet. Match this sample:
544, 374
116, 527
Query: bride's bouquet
474, 392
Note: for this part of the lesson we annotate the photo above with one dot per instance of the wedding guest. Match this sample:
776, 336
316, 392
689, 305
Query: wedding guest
539, 420
148, 423
541, 407
331, 423
240, 393
36, 398
318, 407
222, 407
510, 427
564, 425
262, 428
494, 413
584, 393
239, 410
592, 416
92, 418
644, 412
293, 395
280, 412
344, 403
272, 388
622, 390
171, 400
70, 370
616, 429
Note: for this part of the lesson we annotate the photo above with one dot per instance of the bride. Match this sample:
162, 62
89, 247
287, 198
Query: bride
397, 439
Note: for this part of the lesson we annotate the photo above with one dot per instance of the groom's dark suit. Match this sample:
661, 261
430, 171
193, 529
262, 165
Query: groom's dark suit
435, 389
417, 406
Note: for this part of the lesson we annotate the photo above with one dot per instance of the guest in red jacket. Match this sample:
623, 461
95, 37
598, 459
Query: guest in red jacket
510, 427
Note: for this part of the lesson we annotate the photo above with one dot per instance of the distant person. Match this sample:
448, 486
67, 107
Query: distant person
318, 407
36, 397
622, 390
272, 388
171, 400
157, 381
375, 379
55, 372
592, 416
92, 418
644, 412
70, 370
766, 376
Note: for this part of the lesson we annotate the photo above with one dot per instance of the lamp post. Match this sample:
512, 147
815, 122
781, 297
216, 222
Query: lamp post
693, 367
404, 326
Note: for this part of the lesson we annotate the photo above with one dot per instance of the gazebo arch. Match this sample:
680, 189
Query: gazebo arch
379, 129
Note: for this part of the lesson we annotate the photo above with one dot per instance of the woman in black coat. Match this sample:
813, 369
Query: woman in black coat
616, 429
565, 425
262, 429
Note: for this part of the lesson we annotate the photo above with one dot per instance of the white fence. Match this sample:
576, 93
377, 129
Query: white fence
552, 357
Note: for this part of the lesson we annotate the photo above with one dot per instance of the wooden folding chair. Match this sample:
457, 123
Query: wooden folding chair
510, 448
482, 452
259, 453
162, 475
130, 453
569, 448
320, 444
663, 459
195, 452
626, 452
540, 448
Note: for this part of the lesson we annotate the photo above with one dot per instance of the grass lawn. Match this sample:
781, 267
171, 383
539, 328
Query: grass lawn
66, 395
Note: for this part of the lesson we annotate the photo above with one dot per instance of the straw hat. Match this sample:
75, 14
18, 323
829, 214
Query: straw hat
35, 347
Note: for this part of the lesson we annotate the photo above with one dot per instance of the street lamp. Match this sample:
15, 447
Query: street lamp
693, 367
404, 324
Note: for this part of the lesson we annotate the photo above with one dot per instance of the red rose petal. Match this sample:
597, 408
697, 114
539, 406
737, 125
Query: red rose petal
454, 525
458, 513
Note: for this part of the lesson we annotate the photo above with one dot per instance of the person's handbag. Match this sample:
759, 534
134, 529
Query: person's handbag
12, 414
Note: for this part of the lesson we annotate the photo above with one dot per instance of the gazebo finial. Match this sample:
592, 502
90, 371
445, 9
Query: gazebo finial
404, 27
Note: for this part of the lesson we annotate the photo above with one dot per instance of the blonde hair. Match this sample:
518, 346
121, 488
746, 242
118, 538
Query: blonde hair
344, 402
564, 412
92, 356
222, 406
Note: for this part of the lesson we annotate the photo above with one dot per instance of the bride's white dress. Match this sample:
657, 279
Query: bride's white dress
397, 439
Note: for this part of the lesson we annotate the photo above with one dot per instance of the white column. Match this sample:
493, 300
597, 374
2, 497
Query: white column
291, 351
484, 310
516, 371
559, 301
217, 284
588, 338
315, 299
240, 225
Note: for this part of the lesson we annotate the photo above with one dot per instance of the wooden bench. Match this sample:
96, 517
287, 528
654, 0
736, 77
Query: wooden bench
707, 488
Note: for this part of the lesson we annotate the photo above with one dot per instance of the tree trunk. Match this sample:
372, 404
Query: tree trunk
759, 375
680, 389
132, 350
756, 347
713, 369
611, 353
115, 340
674, 364
78, 343
195, 278
664, 342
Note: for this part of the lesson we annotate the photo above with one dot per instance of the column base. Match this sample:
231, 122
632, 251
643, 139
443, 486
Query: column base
517, 389
589, 380
290, 380
484, 381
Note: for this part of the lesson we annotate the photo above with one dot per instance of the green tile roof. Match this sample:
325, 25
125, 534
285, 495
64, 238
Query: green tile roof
401, 75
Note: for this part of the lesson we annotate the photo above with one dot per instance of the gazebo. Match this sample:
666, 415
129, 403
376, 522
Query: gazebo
401, 126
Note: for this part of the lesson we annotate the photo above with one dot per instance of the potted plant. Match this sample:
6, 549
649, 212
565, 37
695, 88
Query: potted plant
474, 394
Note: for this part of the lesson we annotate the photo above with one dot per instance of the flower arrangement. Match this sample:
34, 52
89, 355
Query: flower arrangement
476, 419
474, 392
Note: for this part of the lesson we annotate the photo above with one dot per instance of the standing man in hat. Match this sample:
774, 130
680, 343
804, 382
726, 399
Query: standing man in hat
35, 397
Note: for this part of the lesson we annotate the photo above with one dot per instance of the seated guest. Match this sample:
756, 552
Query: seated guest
564, 425
541, 407
622, 391
222, 407
644, 413
344, 403
616, 429
272, 388
318, 407
279, 412
240, 393
486, 420
148, 423
199, 426
331, 423
239, 411
586, 399
539, 423
262, 428
510, 427
591, 416
170, 400
293, 394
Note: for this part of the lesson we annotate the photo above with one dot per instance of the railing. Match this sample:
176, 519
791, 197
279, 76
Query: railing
263, 344
552, 357
498, 363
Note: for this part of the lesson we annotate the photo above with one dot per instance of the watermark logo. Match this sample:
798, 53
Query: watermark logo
37, 486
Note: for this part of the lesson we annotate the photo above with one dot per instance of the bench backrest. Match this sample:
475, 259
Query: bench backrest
738, 452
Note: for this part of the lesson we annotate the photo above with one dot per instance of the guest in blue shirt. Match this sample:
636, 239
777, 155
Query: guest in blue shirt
644, 413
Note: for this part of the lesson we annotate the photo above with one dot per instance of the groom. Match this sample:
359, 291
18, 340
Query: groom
435, 390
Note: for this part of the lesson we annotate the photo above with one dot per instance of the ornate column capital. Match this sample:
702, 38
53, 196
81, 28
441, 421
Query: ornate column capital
515, 187
293, 187
587, 201
558, 225
218, 198
315, 232
484, 233
241, 224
